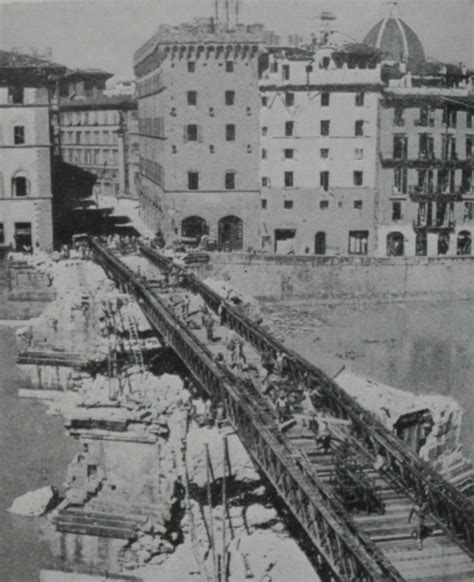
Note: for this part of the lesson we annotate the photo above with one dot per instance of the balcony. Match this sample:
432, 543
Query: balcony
436, 193
437, 226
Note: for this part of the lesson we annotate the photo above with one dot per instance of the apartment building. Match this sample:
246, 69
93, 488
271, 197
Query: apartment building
425, 187
198, 107
318, 149
25, 151
94, 135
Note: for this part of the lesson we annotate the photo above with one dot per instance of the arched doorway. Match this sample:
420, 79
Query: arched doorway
320, 243
194, 227
230, 233
443, 243
395, 244
464, 243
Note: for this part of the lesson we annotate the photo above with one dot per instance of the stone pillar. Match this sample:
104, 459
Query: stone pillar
121, 162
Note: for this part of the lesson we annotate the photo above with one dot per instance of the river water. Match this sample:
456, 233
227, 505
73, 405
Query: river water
422, 347
34, 451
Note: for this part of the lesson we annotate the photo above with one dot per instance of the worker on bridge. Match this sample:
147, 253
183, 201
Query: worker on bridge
420, 511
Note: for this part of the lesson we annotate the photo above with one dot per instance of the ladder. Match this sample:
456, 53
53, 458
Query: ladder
134, 340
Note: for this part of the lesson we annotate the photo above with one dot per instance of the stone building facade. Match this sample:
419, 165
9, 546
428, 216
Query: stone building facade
94, 135
426, 187
319, 134
198, 107
25, 151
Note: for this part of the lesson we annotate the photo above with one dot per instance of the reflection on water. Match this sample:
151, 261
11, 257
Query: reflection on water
34, 451
422, 347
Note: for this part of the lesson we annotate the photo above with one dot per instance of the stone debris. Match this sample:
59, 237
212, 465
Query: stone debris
34, 503
242, 468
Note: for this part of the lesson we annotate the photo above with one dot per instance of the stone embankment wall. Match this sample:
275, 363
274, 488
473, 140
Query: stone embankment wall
325, 278
24, 292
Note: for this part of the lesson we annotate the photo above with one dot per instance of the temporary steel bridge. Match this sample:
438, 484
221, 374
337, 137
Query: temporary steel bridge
345, 547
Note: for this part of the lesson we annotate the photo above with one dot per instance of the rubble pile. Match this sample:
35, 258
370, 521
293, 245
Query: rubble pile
441, 446
34, 503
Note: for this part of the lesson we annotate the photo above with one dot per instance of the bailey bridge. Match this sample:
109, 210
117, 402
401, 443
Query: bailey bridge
344, 545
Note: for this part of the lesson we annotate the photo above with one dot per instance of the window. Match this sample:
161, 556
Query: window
264, 182
359, 154
16, 95
193, 180
229, 97
264, 101
358, 242
20, 186
191, 132
398, 119
288, 204
78, 137
19, 135
359, 99
2, 234
289, 99
288, 179
192, 97
469, 117
264, 154
396, 210
274, 67
264, 131
285, 72
264, 203
358, 178
230, 180
289, 128
324, 180
324, 153
191, 66
400, 180
323, 204
324, 99
324, 127
229, 66
358, 204
289, 153
230, 132
400, 147
469, 146
359, 127
468, 211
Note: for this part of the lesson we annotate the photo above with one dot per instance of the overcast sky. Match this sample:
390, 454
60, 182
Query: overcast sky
105, 33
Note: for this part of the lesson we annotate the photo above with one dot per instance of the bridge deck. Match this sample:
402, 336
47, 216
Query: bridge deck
386, 539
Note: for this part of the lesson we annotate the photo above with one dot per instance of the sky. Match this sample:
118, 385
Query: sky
106, 33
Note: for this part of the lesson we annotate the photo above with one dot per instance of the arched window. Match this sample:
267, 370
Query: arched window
395, 244
230, 233
320, 243
20, 185
443, 243
464, 243
194, 227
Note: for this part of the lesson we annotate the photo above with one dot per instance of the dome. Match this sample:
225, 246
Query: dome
395, 38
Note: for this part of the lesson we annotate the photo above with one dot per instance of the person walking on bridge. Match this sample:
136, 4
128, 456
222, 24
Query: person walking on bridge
420, 511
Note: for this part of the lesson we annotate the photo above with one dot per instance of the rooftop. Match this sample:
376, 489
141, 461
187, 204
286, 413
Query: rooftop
202, 31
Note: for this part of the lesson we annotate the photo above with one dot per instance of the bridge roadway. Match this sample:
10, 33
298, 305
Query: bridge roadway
347, 547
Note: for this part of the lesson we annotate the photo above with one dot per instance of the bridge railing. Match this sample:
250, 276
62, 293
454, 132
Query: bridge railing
447, 503
342, 552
